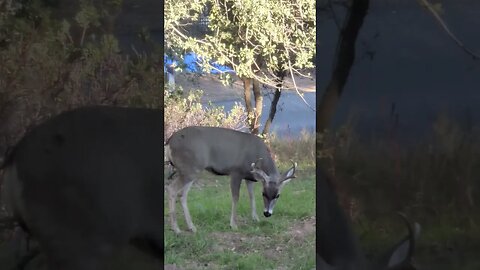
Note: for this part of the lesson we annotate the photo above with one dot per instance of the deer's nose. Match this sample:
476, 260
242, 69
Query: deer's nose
266, 214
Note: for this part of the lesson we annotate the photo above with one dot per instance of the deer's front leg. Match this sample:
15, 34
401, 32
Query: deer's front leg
235, 183
252, 200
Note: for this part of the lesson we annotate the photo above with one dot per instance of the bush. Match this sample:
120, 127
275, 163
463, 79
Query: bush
44, 72
432, 179
182, 110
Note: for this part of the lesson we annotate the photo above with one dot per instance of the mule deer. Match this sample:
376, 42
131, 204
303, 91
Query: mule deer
337, 247
87, 182
222, 151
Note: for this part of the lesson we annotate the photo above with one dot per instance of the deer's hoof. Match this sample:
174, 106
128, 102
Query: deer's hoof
234, 226
192, 229
255, 218
176, 230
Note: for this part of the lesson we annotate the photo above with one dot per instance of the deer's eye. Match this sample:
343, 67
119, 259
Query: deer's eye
278, 195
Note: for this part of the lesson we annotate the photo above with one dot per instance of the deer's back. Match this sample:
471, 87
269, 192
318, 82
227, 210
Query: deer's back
220, 150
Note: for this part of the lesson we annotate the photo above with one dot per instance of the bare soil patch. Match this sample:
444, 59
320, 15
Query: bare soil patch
300, 230
241, 243
238, 242
296, 235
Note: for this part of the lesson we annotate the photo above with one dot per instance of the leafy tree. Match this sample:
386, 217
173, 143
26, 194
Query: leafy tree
262, 40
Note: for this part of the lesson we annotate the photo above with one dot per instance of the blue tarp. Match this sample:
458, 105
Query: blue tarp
190, 62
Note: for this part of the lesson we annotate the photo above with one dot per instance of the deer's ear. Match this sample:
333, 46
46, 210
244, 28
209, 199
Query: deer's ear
259, 174
402, 252
289, 174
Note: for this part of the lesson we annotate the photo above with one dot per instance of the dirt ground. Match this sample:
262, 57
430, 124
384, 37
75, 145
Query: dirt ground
238, 243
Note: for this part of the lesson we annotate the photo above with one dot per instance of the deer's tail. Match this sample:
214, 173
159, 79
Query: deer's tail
168, 161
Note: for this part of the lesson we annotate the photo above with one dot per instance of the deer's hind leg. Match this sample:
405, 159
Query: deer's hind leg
180, 186
183, 201
173, 189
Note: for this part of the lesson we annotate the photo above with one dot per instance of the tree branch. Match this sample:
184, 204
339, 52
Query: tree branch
447, 30
296, 88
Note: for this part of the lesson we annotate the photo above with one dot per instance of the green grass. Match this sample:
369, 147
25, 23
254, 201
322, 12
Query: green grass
286, 240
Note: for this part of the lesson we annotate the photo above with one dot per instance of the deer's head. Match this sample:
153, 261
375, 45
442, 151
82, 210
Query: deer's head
272, 185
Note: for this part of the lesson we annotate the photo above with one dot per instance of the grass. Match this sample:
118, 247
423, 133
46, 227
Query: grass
300, 148
433, 180
440, 246
286, 240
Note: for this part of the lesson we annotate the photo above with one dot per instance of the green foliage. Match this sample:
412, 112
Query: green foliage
88, 15
256, 38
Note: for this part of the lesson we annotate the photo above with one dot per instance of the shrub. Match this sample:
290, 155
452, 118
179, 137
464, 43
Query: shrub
43, 71
182, 110
434, 177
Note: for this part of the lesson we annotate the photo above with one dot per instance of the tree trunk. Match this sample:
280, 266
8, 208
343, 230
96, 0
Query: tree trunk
345, 56
248, 102
273, 107
253, 114
258, 106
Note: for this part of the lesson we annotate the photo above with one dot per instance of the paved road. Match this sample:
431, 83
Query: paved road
292, 114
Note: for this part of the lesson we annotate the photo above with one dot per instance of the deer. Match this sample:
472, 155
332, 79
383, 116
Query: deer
87, 182
337, 246
222, 151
